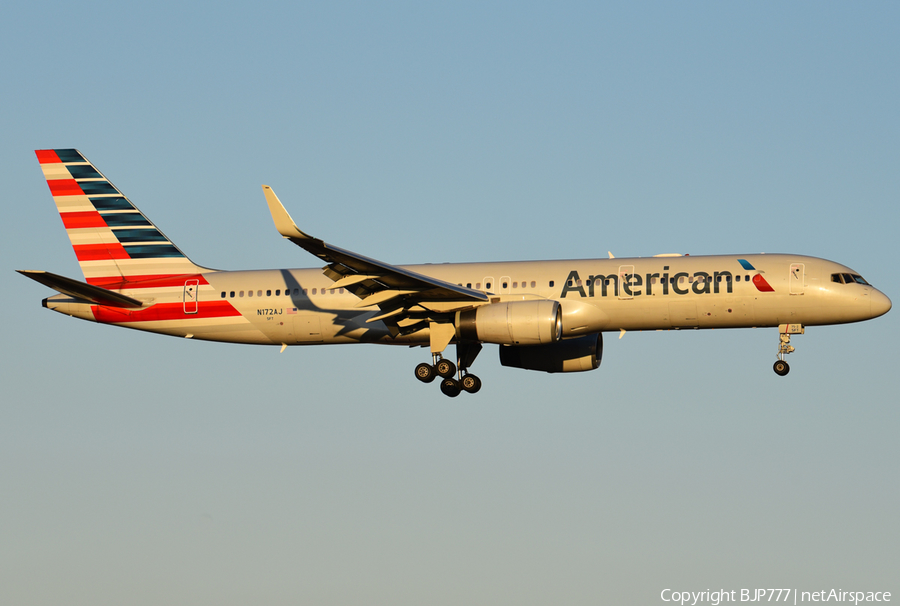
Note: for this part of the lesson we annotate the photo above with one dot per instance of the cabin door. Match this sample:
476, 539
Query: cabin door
191, 290
797, 278
626, 276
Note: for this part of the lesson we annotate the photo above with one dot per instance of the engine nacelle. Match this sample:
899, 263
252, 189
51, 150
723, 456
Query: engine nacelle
513, 323
571, 355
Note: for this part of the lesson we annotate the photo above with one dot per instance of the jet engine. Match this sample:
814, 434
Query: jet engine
513, 323
571, 355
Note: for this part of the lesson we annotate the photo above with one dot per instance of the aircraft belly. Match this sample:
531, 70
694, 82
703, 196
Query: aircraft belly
309, 327
655, 313
683, 314
727, 312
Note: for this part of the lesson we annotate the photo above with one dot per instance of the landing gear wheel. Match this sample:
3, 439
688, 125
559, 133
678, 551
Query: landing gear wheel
470, 383
450, 387
781, 368
425, 372
445, 368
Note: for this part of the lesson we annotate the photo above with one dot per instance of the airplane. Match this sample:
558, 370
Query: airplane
546, 316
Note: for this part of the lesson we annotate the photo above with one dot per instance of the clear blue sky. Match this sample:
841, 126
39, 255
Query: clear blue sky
147, 470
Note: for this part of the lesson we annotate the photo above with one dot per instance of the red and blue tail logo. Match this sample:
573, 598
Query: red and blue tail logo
758, 281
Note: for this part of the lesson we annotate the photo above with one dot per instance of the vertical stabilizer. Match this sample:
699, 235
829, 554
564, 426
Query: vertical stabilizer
114, 242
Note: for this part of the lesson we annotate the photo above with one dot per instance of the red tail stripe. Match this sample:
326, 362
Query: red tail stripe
164, 311
64, 187
99, 252
146, 281
87, 218
47, 156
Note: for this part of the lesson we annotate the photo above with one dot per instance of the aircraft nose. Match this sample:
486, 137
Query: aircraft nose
879, 303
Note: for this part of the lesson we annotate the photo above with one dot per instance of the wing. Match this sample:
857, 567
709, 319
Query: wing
403, 296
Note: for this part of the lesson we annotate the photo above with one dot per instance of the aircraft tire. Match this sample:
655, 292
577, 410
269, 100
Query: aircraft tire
450, 387
445, 368
470, 383
781, 368
425, 372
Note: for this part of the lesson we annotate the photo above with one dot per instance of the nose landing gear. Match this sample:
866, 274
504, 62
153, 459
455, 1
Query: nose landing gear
785, 331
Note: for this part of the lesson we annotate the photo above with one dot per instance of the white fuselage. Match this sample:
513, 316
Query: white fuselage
298, 306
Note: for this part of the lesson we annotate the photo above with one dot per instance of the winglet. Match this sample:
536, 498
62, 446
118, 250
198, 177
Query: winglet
283, 222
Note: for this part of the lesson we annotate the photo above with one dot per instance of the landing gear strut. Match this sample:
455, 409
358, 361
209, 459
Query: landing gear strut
446, 369
785, 331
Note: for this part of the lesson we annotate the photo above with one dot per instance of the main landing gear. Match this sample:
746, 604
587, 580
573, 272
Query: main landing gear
785, 331
447, 370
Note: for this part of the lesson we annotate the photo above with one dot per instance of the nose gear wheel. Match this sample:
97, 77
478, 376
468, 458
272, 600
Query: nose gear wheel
785, 331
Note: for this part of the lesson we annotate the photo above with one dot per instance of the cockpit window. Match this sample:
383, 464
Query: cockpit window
848, 279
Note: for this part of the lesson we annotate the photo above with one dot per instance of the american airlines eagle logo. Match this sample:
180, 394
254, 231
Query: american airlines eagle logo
758, 281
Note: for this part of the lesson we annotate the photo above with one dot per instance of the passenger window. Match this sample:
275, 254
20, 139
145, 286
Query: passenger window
505, 284
478, 286
249, 293
223, 294
314, 291
551, 283
297, 291
737, 278
487, 286
342, 291
268, 293
278, 293
469, 285
232, 294
258, 293
241, 294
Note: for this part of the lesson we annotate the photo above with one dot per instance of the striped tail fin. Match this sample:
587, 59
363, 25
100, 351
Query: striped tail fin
115, 243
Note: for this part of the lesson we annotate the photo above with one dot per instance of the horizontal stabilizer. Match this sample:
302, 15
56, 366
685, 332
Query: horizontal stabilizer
80, 290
